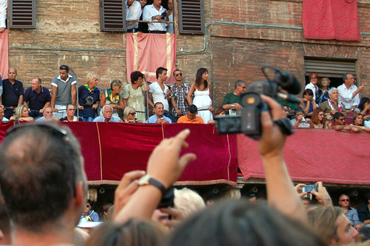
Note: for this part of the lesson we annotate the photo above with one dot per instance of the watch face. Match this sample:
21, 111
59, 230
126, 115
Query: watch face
144, 179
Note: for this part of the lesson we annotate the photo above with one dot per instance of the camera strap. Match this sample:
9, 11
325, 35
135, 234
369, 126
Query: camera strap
284, 126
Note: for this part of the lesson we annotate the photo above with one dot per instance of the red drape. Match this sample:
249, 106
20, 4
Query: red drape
331, 19
146, 52
4, 63
315, 155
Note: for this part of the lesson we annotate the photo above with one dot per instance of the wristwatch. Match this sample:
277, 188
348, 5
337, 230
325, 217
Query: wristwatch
147, 180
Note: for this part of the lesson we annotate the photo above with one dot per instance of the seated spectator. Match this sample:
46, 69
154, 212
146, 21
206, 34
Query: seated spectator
47, 114
112, 97
132, 233
107, 116
364, 211
2, 113
188, 202
308, 103
332, 105
285, 111
12, 93
349, 212
37, 97
191, 116
89, 97
89, 214
158, 116
332, 225
299, 120
324, 90
364, 107
129, 115
318, 119
339, 124
358, 120
106, 208
306, 202
71, 109
21, 114
217, 112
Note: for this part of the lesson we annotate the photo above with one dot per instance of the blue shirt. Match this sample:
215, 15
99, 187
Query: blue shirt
36, 100
12, 92
102, 119
352, 216
87, 99
154, 118
93, 215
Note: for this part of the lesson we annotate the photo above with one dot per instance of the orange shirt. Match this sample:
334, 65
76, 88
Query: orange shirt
184, 119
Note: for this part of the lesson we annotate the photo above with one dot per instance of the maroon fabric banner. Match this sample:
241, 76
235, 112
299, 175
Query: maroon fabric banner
315, 155
331, 19
110, 150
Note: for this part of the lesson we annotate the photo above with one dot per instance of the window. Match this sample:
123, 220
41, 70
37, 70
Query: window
112, 16
333, 69
191, 16
22, 14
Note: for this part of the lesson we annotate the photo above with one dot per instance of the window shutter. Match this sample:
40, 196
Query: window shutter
191, 16
22, 14
112, 16
328, 68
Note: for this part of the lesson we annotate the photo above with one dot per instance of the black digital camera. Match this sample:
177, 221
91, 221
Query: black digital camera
248, 119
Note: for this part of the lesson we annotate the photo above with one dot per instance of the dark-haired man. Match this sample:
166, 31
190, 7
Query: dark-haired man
37, 98
155, 12
63, 91
31, 176
89, 214
299, 120
231, 100
158, 116
160, 91
191, 116
179, 91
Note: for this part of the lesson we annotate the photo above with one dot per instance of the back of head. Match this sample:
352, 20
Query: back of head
188, 201
241, 223
132, 233
38, 180
192, 109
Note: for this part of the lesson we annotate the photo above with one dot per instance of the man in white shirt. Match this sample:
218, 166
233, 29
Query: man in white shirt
348, 92
133, 13
160, 91
155, 12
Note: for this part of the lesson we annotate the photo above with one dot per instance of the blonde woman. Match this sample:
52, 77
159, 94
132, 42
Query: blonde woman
21, 114
88, 97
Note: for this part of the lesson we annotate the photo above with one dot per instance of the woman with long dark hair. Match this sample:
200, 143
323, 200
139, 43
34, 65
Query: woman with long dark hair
202, 90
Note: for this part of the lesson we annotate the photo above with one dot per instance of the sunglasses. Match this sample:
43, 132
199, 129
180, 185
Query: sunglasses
88, 205
132, 113
344, 200
179, 74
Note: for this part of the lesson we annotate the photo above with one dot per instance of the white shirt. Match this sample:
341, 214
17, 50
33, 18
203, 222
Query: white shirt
158, 94
345, 96
313, 88
148, 13
3, 7
5, 120
133, 13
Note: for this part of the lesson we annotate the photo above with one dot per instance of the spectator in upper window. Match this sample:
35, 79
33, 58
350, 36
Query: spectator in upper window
332, 105
155, 12
170, 16
133, 13
37, 98
324, 90
12, 93
191, 116
349, 212
63, 91
313, 85
349, 93
308, 102
3, 13
143, 27
158, 116
133, 94
112, 97
299, 120
89, 97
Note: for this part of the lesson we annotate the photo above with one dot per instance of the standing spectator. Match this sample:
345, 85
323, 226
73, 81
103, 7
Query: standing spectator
143, 27
133, 13
308, 102
2, 118
191, 116
3, 14
170, 16
324, 90
349, 93
63, 91
88, 97
107, 115
231, 100
71, 109
89, 214
134, 94
350, 212
299, 120
202, 95
318, 118
313, 85
364, 211
129, 115
12, 93
112, 97
160, 91
332, 105
155, 12
178, 97
158, 116
37, 98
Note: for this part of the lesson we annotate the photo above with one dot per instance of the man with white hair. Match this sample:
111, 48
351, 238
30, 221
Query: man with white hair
107, 115
2, 113
332, 105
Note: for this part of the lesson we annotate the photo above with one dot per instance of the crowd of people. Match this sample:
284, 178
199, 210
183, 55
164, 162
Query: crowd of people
44, 190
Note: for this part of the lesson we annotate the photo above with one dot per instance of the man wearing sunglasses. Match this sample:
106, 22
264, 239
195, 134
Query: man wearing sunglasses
178, 97
350, 212
231, 100
89, 214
